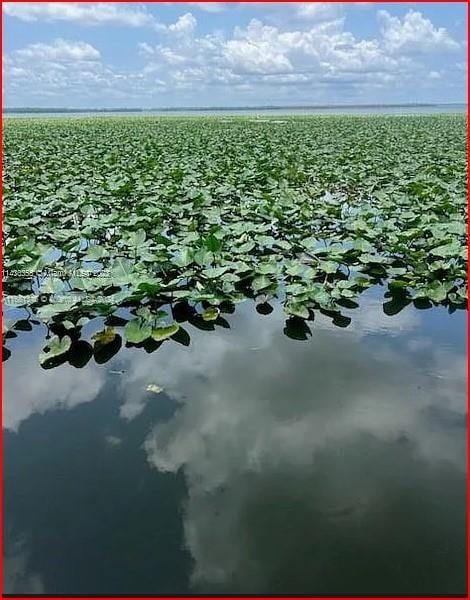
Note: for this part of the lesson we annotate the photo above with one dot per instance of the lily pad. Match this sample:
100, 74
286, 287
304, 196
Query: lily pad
163, 333
54, 348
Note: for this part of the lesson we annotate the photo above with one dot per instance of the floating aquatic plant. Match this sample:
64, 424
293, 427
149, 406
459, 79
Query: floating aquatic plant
147, 214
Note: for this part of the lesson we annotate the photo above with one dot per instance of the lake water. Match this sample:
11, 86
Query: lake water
353, 110
333, 464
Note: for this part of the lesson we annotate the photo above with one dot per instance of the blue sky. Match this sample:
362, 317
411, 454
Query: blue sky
91, 55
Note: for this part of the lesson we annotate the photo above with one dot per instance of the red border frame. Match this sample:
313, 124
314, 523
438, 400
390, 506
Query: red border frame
467, 2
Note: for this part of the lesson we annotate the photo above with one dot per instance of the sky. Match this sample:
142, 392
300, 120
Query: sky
168, 54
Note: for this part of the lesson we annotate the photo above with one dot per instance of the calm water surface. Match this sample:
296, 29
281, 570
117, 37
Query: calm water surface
283, 111
330, 465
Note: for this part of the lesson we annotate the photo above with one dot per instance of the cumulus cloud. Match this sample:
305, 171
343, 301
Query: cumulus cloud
414, 33
318, 10
314, 59
61, 68
262, 54
60, 50
93, 13
185, 25
257, 49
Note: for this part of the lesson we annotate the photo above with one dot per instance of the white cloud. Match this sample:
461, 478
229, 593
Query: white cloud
96, 13
73, 69
315, 62
256, 50
414, 33
326, 11
186, 24
60, 50
262, 54
210, 7
318, 10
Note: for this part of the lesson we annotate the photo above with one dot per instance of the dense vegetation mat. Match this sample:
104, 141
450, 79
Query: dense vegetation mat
165, 215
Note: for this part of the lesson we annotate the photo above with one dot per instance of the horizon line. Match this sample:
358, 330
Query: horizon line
224, 108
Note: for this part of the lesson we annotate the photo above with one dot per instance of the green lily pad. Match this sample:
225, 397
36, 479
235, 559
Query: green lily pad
211, 313
95, 253
446, 250
297, 309
55, 347
137, 331
104, 337
163, 333
261, 282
